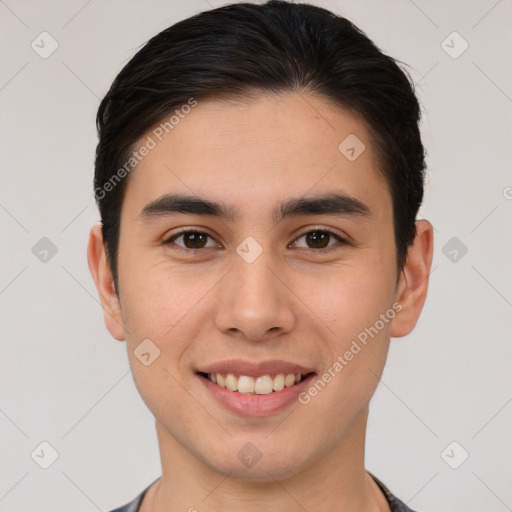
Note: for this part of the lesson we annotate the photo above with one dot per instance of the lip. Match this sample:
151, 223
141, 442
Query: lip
255, 405
255, 368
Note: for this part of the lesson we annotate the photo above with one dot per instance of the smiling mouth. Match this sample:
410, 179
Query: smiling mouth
262, 385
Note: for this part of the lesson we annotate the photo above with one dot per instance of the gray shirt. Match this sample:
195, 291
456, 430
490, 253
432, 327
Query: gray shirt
395, 504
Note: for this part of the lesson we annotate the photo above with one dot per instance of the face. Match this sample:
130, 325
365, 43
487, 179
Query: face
284, 283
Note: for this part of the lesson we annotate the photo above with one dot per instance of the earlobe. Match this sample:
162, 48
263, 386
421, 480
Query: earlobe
102, 275
413, 283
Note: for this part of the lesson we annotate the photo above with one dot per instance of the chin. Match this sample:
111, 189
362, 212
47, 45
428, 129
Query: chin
248, 464
260, 473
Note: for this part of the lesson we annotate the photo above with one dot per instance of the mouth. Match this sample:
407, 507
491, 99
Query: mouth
261, 385
255, 389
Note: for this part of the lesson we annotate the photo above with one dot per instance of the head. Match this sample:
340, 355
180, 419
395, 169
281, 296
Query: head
289, 145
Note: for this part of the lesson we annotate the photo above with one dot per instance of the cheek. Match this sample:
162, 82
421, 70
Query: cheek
348, 300
354, 310
356, 345
158, 296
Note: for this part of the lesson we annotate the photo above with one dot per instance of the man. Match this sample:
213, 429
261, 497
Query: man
258, 175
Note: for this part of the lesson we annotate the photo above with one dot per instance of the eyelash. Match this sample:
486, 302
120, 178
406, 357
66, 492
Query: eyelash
170, 240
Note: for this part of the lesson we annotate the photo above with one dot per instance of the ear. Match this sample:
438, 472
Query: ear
102, 275
413, 283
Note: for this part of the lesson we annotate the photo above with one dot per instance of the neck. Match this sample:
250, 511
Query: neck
334, 481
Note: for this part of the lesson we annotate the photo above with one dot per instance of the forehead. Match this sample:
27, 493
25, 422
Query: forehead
257, 151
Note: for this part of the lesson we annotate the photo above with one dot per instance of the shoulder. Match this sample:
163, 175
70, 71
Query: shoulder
395, 504
134, 505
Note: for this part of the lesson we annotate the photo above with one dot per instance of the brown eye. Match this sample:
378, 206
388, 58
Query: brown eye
319, 240
191, 240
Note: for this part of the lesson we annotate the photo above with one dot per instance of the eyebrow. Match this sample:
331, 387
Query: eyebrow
332, 203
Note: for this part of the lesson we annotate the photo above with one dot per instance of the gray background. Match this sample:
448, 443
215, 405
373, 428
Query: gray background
65, 381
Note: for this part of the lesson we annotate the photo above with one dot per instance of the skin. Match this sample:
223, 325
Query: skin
291, 303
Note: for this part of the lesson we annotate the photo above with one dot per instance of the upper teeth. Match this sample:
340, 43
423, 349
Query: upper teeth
260, 385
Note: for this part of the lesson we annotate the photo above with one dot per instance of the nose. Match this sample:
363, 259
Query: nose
255, 302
